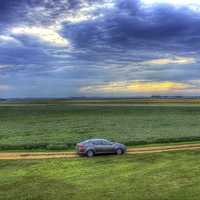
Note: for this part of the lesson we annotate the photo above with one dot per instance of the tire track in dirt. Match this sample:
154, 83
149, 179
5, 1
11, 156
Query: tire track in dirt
136, 150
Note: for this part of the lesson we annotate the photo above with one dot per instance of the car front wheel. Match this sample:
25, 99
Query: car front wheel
119, 151
90, 153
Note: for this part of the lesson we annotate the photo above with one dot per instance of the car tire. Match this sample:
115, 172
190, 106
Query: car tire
119, 151
90, 153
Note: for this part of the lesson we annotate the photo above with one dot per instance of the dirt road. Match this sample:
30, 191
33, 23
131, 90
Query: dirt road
138, 150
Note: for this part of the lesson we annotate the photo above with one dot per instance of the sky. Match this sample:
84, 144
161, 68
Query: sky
101, 48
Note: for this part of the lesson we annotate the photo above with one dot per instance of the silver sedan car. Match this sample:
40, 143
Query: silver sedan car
99, 146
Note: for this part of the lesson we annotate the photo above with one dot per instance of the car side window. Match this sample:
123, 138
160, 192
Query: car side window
104, 142
101, 142
96, 142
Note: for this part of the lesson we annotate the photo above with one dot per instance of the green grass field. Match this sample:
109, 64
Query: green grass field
55, 125
162, 176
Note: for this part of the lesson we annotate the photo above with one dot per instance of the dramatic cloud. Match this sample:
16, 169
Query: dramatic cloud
62, 48
45, 34
137, 87
167, 61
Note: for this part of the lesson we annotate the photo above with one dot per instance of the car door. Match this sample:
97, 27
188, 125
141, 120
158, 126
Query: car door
107, 146
103, 146
99, 147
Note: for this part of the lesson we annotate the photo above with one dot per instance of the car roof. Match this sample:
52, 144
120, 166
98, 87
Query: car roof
93, 140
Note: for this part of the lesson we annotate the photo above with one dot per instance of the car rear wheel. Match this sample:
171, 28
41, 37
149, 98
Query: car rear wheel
119, 151
90, 153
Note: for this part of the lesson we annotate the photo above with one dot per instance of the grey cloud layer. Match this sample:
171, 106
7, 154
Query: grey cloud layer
111, 43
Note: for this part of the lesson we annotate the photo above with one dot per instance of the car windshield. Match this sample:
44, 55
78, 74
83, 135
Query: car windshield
96, 142
86, 141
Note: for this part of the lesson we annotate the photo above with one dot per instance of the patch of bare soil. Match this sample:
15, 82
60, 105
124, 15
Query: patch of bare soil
138, 150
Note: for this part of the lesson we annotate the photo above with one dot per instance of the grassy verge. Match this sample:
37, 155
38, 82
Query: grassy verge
159, 176
71, 147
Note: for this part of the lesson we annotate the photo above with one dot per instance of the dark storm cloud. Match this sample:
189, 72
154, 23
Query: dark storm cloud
131, 26
28, 11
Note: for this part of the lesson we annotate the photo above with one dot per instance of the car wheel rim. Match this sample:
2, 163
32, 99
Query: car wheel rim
119, 151
90, 153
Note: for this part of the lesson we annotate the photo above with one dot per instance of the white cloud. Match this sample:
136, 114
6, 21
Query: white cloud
175, 60
76, 18
45, 34
2, 66
86, 12
193, 4
4, 39
4, 87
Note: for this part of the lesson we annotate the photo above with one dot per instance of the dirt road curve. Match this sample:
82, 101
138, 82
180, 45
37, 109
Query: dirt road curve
139, 150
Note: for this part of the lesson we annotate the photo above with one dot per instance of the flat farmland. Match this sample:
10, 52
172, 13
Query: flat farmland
58, 124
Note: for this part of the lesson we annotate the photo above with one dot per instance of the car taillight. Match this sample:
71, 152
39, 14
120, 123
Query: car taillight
81, 146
